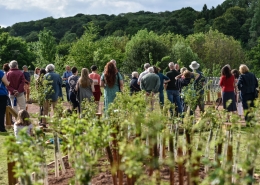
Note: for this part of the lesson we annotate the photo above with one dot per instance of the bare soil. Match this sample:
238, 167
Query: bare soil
104, 176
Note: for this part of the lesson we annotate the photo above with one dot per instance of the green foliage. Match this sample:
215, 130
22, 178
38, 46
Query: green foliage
139, 48
254, 58
200, 25
255, 25
14, 48
231, 22
183, 53
216, 48
110, 48
82, 52
132, 132
28, 153
45, 49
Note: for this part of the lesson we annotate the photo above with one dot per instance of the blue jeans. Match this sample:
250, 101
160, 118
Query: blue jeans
161, 97
174, 97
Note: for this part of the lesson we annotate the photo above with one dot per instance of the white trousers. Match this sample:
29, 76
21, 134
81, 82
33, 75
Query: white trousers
20, 102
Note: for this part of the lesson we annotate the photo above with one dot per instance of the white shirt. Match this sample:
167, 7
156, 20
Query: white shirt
17, 129
36, 76
142, 75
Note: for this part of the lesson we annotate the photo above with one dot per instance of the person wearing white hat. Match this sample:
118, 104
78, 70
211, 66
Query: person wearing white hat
198, 84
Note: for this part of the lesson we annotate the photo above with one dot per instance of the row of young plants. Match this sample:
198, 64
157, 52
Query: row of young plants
139, 142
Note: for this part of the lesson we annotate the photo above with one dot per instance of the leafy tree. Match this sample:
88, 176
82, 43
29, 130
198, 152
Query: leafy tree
68, 38
119, 23
45, 48
14, 48
183, 53
254, 58
82, 52
255, 25
32, 37
139, 48
200, 25
214, 47
231, 22
110, 48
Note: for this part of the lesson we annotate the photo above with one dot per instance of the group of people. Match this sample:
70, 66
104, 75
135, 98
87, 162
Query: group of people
15, 86
153, 82
88, 85
238, 85
14, 89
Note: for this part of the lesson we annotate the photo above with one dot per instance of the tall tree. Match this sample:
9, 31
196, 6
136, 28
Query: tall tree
255, 25
14, 48
141, 48
82, 51
254, 58
216, 48
45, 48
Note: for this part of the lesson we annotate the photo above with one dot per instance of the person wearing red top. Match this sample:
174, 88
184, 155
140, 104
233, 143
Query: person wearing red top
227, 83
96, 79
16, 86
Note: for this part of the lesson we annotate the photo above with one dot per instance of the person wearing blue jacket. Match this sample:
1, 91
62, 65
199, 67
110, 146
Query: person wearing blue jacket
3, 99
53, 90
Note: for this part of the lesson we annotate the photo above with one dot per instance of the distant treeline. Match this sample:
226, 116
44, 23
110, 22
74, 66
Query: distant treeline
237, 18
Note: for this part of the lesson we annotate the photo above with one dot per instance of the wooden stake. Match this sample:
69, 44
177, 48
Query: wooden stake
180, 166
171, 155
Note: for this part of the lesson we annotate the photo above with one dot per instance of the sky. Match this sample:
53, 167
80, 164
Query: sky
14, 11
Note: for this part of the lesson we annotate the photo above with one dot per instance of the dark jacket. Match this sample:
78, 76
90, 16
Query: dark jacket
134, 87
182, 82
171, 84
247, 83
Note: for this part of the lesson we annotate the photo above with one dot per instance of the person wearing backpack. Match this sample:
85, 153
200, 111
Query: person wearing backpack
199, 83
72, 81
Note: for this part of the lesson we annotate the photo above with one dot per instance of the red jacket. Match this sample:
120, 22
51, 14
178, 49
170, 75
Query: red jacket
16, 79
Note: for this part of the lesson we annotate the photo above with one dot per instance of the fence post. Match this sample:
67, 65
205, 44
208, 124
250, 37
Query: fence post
10, 165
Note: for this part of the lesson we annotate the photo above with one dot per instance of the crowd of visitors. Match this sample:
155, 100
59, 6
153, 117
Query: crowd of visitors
237, 86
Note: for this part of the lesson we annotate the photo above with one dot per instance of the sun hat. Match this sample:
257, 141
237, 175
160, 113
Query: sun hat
194, 65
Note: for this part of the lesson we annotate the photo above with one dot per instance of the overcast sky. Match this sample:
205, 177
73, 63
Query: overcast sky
12, 11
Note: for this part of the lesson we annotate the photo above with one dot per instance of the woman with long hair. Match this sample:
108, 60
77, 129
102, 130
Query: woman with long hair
227, 83
112, 82
84, 87
36, 74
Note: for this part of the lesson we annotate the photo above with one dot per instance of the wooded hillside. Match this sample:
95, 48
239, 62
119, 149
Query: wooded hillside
237, 18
